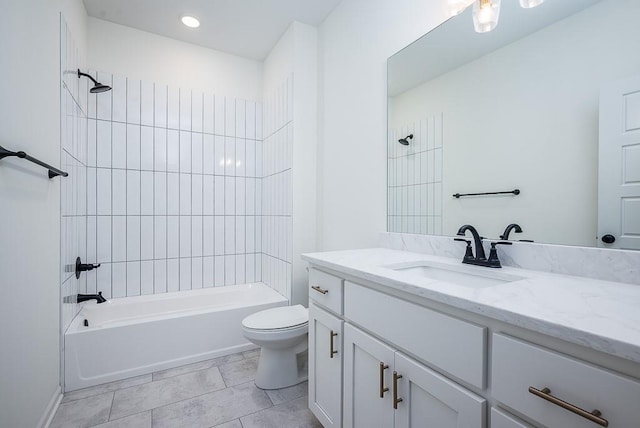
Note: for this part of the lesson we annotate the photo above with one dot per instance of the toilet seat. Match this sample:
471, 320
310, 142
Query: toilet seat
279, 319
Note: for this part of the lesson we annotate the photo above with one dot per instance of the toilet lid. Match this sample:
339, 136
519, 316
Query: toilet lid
282, 317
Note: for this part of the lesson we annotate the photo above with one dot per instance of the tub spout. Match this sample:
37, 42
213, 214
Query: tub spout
98, 297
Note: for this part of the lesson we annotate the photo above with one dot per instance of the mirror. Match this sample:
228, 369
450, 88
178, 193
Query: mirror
515, 108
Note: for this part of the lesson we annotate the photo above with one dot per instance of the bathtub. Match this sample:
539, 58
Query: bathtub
138, 335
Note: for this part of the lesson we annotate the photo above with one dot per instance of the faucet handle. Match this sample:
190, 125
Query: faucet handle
493, 254
468, 254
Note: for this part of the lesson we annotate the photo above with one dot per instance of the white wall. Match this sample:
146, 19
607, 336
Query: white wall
529, 124
355, 41
30, 214
137, 54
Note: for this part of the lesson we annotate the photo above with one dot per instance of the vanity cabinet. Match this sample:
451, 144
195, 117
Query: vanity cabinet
325, 347
384, 388
405, 362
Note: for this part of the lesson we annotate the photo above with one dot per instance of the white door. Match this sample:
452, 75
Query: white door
430, 400
325, 367
619, 165
368, 364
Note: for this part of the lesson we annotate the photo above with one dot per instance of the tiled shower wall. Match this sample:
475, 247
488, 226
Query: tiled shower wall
414, 172
174, 187
277, 227
73, 159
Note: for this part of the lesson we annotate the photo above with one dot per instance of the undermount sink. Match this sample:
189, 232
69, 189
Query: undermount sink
475, 277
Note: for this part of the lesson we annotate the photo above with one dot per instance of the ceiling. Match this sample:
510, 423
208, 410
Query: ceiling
247, 28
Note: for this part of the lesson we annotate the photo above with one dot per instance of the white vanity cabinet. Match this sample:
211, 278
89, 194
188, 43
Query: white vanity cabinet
404, 361
384, 388
325, 347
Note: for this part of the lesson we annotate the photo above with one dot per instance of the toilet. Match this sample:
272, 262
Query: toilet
282, 335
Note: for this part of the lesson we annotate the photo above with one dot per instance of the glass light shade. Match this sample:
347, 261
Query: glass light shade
528, 4
456, 7
485, 15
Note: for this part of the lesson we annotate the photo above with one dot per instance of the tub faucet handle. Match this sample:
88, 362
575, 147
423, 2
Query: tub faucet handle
84, 267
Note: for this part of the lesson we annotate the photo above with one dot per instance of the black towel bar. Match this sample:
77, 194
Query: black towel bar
53, 172
514, 192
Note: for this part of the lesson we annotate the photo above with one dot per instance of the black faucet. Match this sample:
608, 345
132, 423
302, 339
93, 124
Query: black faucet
513, 226
479, 259
84, 297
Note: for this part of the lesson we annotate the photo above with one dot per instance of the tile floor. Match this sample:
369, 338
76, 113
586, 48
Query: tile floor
214, 393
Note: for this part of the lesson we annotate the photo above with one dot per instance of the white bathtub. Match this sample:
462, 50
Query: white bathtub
138, 335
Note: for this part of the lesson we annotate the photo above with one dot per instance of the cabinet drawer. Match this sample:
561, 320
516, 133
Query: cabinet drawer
519, 366
326, 290
455, 346
501, 419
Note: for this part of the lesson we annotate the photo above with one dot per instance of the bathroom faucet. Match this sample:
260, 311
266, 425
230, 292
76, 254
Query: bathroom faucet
479, 259
513, 226
98, 297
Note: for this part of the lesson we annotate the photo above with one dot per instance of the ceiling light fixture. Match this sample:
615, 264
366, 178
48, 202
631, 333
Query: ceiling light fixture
485, 12
190, 21
485, 15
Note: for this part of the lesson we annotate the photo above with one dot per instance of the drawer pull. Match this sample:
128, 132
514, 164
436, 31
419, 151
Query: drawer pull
319, 290
396, 400
383, 389
332, 352
594, 416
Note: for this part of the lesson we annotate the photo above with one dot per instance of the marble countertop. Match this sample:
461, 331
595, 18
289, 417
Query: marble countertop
597, 314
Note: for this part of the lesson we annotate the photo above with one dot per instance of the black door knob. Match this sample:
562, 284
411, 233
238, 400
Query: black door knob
608, 239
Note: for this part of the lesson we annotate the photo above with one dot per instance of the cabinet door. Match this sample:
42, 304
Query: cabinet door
431, 400
368, 364
325, 366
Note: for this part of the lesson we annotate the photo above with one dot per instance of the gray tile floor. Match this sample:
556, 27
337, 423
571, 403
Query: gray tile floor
214, 393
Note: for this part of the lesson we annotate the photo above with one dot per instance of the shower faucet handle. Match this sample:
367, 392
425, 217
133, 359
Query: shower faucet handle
84, 267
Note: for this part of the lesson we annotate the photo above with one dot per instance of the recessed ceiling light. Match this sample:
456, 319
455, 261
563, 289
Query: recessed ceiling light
190, 21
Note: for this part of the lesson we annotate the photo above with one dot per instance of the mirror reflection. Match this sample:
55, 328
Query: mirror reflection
521, 107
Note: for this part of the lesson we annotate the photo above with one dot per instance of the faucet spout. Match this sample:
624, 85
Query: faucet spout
97, 297
480, 255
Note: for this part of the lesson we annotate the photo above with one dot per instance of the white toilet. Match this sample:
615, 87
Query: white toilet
282, 334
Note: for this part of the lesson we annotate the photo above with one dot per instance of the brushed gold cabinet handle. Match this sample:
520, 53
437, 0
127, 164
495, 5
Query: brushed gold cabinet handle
593, 416
396, 400
319, 290
332, 352
383, 389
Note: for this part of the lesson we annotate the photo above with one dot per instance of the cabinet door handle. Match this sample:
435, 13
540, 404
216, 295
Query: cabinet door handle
332, 352
319, 290
396, 400
593, 416
383, 389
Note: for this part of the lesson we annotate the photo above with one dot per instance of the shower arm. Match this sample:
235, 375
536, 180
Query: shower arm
80, 73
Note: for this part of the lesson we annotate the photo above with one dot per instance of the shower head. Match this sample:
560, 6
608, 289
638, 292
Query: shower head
405, 141
97, 86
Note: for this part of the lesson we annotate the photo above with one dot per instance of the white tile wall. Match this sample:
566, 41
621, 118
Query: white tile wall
276, 190
173, 198
414, 174
74, 155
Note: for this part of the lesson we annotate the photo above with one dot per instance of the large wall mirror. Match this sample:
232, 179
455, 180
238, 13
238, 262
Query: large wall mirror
519, 108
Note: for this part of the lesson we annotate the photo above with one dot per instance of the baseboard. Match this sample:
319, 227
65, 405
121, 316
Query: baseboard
51, 409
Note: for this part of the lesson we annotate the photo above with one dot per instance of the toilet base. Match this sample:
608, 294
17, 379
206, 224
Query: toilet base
278, 368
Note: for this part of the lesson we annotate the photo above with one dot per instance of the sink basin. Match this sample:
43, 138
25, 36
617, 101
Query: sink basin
466, 276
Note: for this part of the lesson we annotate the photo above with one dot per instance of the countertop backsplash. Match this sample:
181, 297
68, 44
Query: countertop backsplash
597, 263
